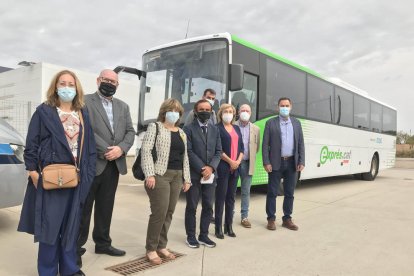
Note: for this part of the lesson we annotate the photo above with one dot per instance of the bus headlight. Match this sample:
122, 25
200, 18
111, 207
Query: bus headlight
18, 151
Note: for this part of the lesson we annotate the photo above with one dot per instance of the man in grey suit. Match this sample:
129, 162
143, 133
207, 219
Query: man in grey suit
283, 154
204, 153
114, 134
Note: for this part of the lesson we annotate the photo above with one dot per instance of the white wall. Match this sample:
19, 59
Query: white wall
29, 84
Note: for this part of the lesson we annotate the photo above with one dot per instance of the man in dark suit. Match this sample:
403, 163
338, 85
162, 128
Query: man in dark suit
283, 157
204, 151
114, 135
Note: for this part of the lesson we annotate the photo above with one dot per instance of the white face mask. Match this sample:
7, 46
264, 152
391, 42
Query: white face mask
244, 116
227, 117
210, 101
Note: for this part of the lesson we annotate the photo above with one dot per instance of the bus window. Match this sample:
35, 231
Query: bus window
376, 117
361, 113
344, 107
320, 100
284, 81
247, 95
389, 121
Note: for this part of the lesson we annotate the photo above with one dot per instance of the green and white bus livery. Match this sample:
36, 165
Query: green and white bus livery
345, 131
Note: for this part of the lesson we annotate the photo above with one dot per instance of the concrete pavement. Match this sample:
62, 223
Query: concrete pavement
346, 227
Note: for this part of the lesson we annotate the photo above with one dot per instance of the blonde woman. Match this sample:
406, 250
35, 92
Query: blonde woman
164, 178
54, 137
228, 169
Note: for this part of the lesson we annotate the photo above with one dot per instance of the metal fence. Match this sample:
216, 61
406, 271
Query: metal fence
17, 114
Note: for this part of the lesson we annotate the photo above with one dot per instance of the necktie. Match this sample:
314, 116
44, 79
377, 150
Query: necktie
204, 128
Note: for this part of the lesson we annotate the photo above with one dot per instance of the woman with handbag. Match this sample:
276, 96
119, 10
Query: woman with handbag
60, 157
165, 177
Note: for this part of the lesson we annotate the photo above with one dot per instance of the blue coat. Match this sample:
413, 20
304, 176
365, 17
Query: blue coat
44, 212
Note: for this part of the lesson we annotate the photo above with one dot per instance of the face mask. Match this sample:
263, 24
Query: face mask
227, 117
107, 89
172, 117
66, 94
244, 116
284, 111
203, 116
210, 101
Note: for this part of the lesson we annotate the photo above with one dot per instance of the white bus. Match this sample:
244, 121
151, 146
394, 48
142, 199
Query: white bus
12, 170
346, 131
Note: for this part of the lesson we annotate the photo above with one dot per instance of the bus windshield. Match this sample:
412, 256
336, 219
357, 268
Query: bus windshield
183, 72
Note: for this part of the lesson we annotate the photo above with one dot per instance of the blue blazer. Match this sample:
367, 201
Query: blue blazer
226, 142
272, 143
202, 150
44, 211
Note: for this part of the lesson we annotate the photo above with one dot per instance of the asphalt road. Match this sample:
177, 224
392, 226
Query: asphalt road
346, 227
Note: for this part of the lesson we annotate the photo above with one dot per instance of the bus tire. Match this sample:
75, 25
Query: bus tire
373, 172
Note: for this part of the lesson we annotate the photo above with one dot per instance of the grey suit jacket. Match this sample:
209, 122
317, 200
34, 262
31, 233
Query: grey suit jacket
202, 150
122, 136
271, 149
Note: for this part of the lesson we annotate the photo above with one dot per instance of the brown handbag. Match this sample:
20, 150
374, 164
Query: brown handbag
59, 176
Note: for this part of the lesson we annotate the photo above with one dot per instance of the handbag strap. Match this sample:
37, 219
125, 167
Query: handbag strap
83, 136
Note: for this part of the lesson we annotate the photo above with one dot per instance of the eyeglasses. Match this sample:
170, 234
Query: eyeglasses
114, 82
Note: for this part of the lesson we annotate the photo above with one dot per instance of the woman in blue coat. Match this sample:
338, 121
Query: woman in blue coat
227, 170
54, 137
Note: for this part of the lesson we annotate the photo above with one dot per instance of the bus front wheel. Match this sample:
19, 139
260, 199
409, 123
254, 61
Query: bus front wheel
369, 176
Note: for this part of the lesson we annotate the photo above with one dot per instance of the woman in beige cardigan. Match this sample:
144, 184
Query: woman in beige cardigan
164, 178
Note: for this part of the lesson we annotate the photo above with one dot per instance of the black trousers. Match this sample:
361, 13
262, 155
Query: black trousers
102, 193
193, 197
225, 192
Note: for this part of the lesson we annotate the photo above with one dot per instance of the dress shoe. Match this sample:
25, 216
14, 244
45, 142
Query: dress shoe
290, 225
79, 273
228, 229
271, 225
110, 250
219, 232
246, 223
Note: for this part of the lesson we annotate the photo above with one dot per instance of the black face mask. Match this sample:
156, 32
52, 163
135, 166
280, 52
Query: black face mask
203, 116
107, 89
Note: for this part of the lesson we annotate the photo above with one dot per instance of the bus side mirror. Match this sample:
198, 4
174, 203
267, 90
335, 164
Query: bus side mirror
236, 74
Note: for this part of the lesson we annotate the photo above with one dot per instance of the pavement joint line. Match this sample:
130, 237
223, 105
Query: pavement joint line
202, 261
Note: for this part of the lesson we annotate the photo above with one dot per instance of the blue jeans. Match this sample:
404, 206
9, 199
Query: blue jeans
246, 182
287, 171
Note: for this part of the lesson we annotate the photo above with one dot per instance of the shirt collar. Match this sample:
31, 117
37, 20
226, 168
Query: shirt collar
201, 124
283, 121
104, 98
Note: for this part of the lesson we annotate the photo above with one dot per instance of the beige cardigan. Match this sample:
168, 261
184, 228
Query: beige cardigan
162, 146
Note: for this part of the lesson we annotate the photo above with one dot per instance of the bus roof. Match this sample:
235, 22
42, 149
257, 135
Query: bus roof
248, 44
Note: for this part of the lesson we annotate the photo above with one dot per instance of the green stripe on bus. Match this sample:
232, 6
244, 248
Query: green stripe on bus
270, 54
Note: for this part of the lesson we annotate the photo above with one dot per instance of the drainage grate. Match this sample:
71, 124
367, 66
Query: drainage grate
138, 265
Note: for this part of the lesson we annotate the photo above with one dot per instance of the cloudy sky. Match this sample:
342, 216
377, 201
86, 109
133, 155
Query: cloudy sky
368, 43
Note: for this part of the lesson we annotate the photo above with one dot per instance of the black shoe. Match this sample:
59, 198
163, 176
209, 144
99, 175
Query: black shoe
219, 232
206, 241
79, 273
110, 250
228, 229
192, 242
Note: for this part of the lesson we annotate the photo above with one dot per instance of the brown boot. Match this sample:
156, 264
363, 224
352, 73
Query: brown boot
290, 225
271, 225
